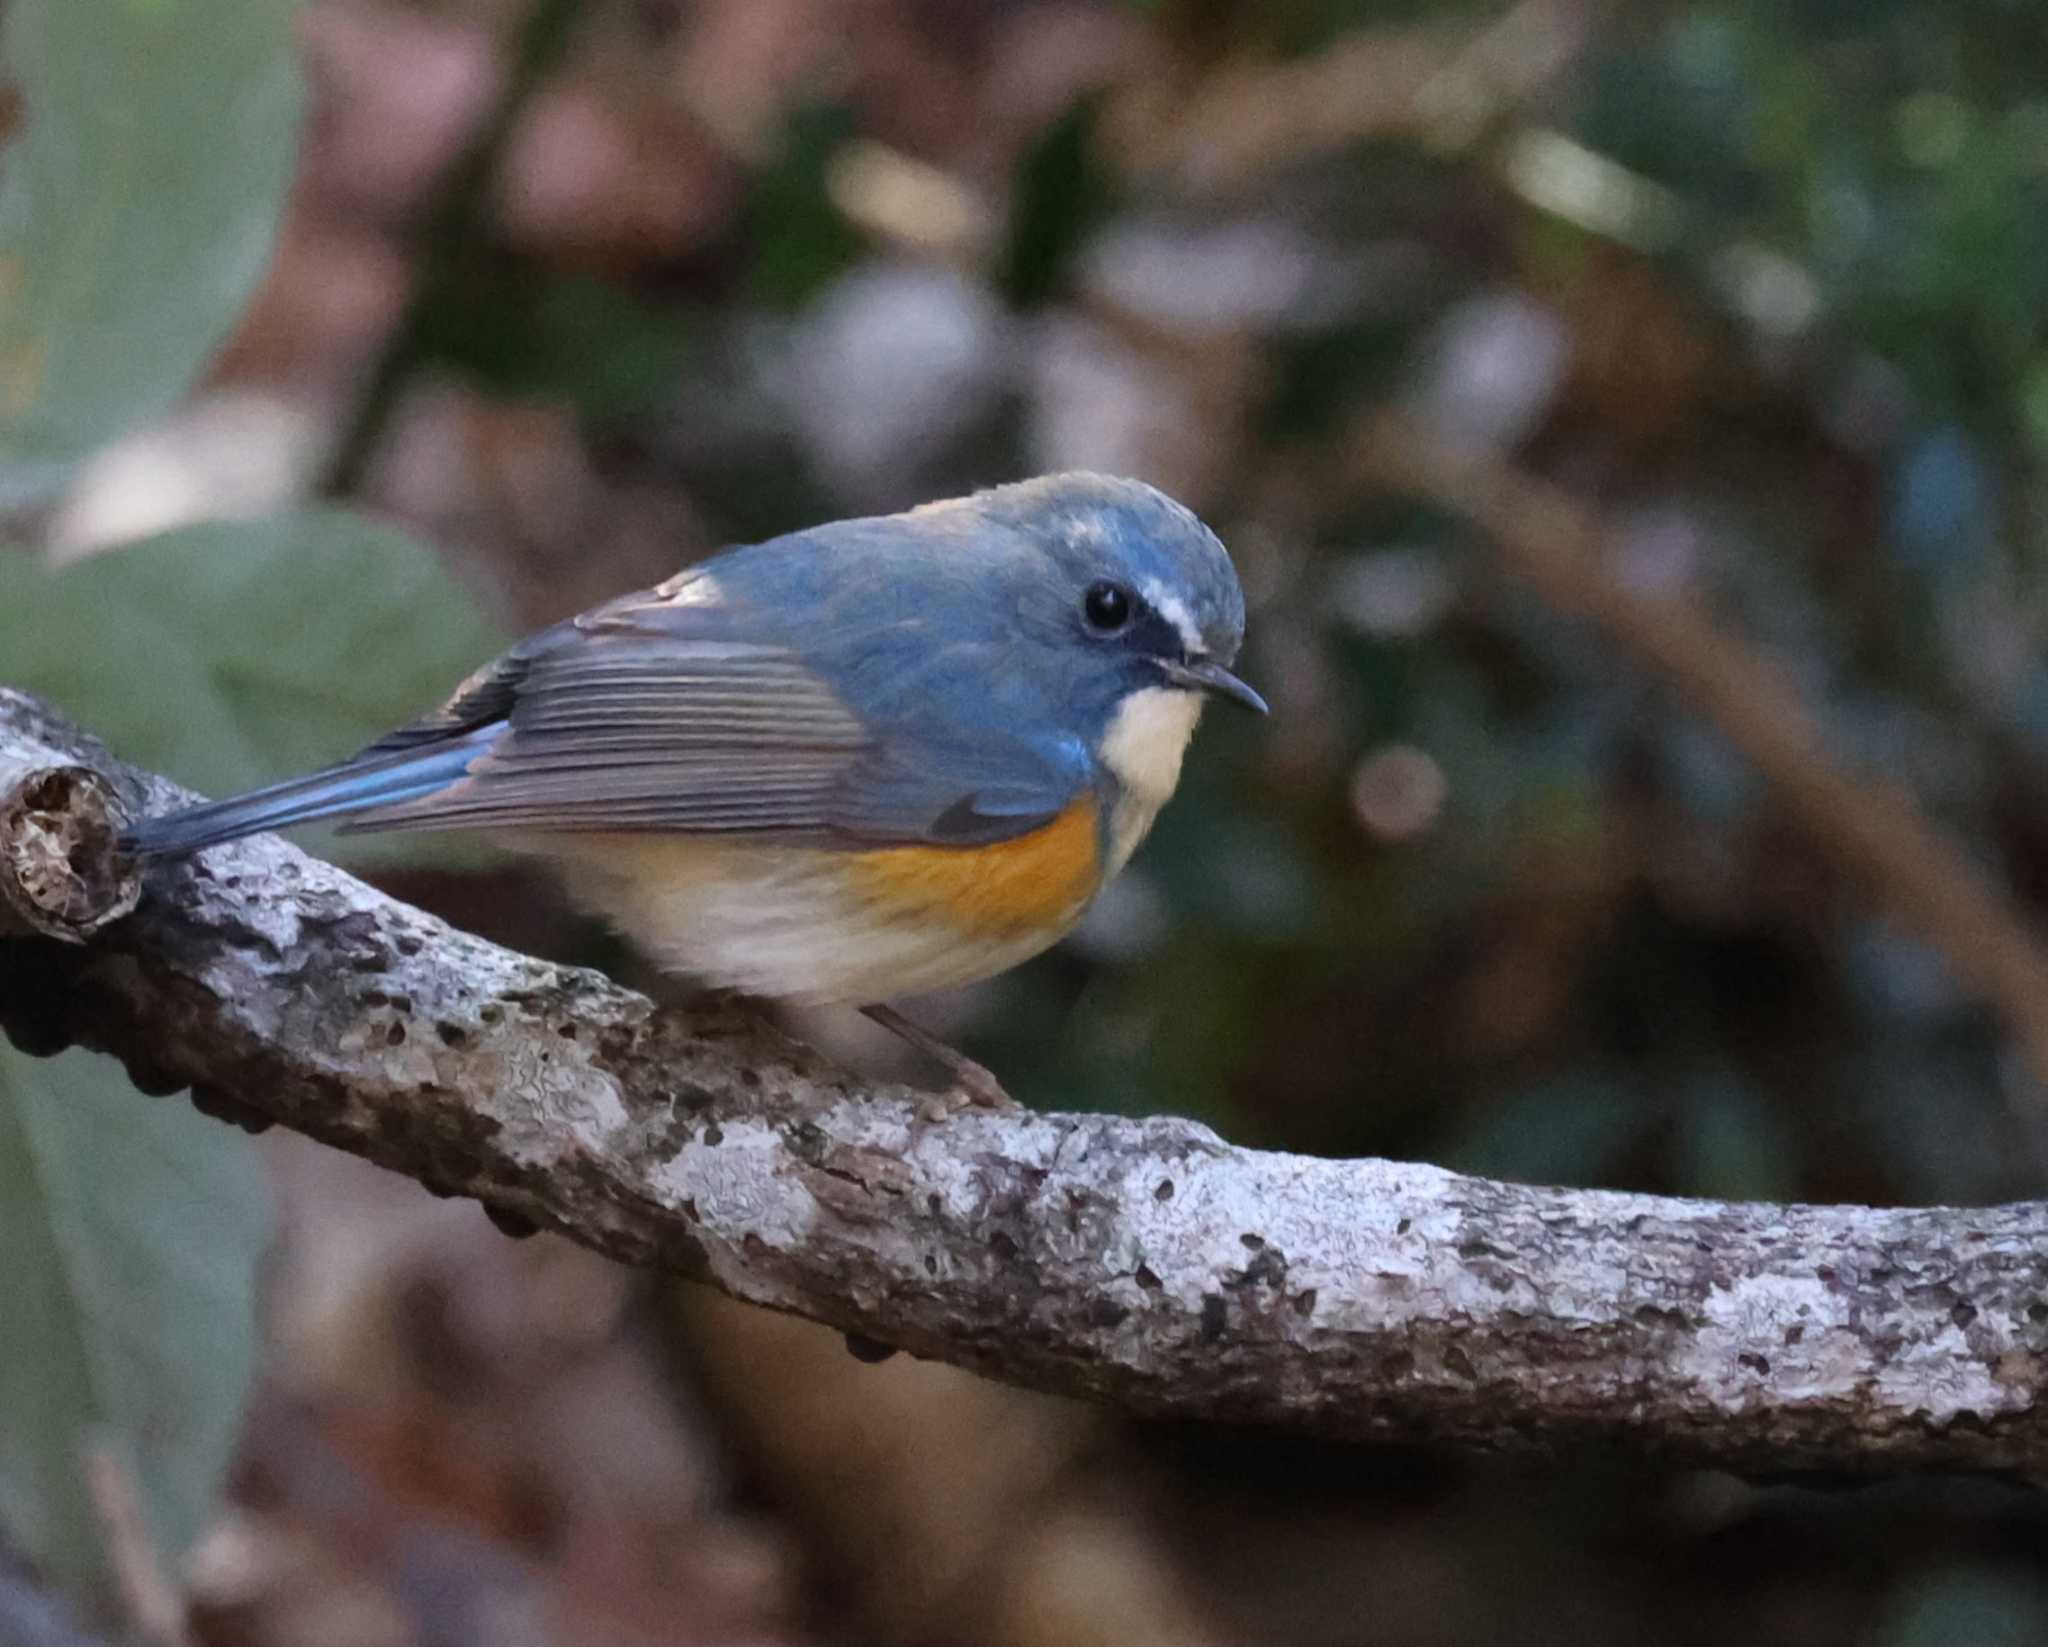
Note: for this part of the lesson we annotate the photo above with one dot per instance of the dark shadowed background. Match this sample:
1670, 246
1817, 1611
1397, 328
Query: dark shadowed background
393, 328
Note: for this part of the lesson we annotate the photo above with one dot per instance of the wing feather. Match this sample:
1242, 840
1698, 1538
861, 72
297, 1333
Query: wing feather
647, 715
688, 708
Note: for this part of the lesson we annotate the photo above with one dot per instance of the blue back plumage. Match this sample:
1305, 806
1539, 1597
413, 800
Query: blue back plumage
923, 677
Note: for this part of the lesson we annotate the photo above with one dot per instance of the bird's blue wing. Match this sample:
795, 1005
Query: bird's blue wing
660, 714
673, 711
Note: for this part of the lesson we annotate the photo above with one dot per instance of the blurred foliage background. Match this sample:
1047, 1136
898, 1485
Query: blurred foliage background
577, 290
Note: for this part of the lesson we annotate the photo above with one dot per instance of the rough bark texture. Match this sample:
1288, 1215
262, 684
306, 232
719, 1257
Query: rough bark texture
1140, 1262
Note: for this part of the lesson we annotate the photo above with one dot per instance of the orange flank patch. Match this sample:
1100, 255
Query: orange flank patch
1034, 883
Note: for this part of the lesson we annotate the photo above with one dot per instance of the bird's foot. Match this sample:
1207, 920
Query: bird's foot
974, 1085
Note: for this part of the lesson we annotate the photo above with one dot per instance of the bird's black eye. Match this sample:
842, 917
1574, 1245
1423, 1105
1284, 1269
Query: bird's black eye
1107, 607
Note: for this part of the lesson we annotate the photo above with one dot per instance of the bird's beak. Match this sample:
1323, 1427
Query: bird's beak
1206, 676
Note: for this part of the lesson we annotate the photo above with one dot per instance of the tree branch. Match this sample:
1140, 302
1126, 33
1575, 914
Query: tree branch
1141, 1262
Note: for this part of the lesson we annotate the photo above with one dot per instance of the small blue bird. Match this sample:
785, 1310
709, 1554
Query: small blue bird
866, 760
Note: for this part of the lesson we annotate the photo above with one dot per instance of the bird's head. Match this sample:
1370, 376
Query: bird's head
1134, 614
1135, 591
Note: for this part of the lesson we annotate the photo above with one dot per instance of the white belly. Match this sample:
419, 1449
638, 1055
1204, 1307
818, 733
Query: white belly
771, 921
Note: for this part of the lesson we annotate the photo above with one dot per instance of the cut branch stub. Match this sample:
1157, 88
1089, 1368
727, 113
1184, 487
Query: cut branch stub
61, 875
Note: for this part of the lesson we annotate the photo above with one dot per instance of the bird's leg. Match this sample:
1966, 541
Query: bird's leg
974, 1081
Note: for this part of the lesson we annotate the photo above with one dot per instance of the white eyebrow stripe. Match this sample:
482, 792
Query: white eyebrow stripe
691, 587
1175, 611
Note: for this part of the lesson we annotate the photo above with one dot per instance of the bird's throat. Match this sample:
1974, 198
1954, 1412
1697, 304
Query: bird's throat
1142, 749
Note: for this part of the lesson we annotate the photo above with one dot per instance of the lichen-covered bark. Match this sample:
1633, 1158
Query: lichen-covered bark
1142, 1262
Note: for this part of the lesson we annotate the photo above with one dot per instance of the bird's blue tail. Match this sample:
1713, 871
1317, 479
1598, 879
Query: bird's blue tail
360, 785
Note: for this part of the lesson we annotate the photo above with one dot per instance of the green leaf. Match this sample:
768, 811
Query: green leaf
138, 209
1062, 197
238, 652
1731, 1143
801, 241
132, 1231
1984, 1606
1568, 1131
528, 332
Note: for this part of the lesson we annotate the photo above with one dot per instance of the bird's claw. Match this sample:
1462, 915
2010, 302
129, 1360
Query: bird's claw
974, 1085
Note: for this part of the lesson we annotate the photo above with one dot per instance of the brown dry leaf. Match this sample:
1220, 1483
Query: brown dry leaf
517, 486
333, 293
396, 94
602, 174
1639, 356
